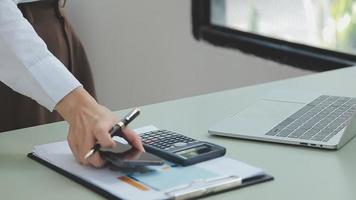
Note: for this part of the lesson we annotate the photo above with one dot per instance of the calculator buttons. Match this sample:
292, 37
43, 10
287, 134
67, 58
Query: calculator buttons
164, 139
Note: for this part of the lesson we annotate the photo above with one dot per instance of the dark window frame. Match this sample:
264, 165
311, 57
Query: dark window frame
297, 55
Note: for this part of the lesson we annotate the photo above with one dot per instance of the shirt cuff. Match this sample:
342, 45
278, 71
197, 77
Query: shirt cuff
54, 80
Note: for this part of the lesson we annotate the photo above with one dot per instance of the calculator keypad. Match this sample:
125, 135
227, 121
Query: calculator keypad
164, 139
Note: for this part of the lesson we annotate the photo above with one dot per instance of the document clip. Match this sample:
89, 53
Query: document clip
203, 187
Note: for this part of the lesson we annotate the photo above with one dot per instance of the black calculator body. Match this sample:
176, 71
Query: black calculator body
180, 149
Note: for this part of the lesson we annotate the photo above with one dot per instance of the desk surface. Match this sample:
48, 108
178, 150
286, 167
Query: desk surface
300, 173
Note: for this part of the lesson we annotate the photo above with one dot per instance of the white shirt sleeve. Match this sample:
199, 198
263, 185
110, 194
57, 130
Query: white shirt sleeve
26, 65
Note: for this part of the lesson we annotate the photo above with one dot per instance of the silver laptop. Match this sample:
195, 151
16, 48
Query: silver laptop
299, 118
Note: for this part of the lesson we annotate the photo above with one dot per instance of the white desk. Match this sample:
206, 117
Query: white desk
300, 173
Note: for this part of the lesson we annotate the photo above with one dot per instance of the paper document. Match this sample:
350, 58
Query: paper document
173, 177
151, 184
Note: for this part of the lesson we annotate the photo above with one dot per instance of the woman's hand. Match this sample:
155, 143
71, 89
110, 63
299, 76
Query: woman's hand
89, 123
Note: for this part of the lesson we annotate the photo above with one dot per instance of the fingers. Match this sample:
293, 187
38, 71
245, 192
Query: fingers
102, 136
96, 160
80, 146
73, 144
81, 143
133, 138
101, 133
90, 125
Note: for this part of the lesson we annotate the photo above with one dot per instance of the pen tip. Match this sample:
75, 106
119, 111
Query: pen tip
91, 152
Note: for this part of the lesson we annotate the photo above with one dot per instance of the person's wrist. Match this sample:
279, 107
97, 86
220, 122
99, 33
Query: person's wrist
73, 102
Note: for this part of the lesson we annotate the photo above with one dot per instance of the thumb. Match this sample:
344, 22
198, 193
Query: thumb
132, 138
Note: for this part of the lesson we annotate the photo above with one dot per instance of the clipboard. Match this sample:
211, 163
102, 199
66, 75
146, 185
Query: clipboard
194, 190
108, 183
197, 190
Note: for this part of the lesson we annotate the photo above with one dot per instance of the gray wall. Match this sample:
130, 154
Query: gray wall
143, 52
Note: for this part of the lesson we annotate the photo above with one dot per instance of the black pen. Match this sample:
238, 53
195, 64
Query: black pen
116, 129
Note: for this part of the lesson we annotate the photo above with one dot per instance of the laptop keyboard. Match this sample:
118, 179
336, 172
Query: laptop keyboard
319, 120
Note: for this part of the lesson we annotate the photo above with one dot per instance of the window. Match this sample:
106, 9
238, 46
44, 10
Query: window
317, 35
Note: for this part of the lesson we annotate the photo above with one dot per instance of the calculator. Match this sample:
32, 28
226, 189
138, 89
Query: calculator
179, 148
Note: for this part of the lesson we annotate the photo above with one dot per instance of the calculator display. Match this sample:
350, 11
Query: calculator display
193, 152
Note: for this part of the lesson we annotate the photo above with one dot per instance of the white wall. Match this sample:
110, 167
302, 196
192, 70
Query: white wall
143, 52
